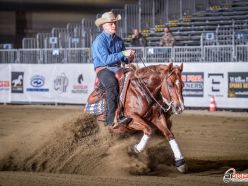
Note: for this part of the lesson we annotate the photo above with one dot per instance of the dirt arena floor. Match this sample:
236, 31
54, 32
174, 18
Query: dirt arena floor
60, 146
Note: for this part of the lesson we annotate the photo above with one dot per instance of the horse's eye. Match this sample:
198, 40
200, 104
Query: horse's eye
170, 85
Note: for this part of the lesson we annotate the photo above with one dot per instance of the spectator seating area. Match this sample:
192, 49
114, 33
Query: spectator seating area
216, 26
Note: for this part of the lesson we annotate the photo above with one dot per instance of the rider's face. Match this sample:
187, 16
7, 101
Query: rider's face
110, 28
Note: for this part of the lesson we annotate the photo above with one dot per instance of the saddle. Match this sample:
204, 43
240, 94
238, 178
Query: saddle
96, 98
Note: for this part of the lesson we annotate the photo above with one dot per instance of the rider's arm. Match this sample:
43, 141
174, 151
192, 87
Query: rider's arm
101, 54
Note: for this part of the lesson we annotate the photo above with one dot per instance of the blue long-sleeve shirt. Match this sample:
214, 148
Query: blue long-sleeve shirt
107, 50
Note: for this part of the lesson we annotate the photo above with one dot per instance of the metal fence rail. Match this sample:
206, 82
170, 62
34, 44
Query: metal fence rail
158, 54
187, 54
43, 40
29, 43
29, 56
8, 56
230, 53
219, 53
242, 53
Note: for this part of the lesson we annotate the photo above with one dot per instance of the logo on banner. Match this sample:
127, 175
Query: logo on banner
238, 84
61, 83
4, 85
17, 82
37, 82
193, 84
216, 81
81, 87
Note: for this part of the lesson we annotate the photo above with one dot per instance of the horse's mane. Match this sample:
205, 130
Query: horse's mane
146, 72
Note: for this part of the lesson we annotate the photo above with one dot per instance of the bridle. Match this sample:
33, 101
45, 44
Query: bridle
166, 101
148, 92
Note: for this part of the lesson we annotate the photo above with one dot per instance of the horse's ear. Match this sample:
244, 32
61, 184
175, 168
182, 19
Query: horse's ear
170, 66
181, 67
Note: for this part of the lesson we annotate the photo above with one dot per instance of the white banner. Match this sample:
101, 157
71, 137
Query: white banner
72, 83
216, 82
67, 83
227, 82
5, 83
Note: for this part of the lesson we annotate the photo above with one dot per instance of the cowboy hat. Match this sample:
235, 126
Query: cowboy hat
107, 17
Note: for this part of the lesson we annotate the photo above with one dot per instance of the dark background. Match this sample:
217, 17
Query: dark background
24, 18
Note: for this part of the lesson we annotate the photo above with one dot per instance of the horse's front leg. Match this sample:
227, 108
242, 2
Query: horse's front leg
164, 125
139, 124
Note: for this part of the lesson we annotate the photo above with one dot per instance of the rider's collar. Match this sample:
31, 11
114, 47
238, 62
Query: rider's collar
109, 35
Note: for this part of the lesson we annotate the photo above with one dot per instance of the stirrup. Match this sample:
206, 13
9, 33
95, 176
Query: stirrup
123, 120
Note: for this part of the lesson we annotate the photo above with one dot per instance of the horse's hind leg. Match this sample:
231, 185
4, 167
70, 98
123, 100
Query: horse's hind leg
163, 124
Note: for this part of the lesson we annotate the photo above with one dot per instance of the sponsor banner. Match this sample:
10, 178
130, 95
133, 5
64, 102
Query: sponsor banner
72, 83
17, 78
5, 83
193, 84
67, 83
238, 84
35, 83
215, 81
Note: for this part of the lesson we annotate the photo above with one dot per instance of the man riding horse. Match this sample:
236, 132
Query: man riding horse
108, 51
151, 94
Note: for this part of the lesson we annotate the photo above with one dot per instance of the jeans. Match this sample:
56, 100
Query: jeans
110, 84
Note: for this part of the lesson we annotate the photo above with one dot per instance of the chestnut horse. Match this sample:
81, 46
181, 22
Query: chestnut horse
154, 93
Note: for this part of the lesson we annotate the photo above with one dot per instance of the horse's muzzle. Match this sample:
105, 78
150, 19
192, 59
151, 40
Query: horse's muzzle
178, 109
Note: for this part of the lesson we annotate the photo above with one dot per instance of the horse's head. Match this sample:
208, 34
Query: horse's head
171, 88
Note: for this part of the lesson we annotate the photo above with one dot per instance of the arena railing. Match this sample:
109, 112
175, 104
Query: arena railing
9, 56
241, 53
219, 53
192, 54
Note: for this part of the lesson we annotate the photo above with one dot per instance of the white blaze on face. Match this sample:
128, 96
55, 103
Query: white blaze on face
177, 83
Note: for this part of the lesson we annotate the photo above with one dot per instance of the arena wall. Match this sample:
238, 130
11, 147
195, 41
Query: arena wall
72, 83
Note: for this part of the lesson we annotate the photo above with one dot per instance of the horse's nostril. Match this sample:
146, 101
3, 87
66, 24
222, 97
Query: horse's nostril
179, 109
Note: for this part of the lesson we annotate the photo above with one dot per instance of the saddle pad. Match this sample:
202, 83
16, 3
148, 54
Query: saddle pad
96, 108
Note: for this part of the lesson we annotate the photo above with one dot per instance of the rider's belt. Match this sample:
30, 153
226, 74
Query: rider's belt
115, 65
98, 69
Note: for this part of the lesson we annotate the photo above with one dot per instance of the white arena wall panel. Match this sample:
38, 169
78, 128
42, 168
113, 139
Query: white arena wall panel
50, 83
72, 83
5, 84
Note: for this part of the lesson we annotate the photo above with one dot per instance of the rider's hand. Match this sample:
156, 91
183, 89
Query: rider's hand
128, 53
130, 59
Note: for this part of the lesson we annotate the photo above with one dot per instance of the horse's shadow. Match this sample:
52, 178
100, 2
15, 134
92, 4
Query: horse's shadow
160, 162
215, 166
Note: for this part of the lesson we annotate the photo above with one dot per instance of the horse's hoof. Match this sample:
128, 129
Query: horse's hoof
132, 150
182, 167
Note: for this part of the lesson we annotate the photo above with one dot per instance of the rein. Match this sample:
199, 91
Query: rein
152, 97
148, 92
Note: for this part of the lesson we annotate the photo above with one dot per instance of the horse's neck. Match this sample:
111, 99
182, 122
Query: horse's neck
151, 76
152, 82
